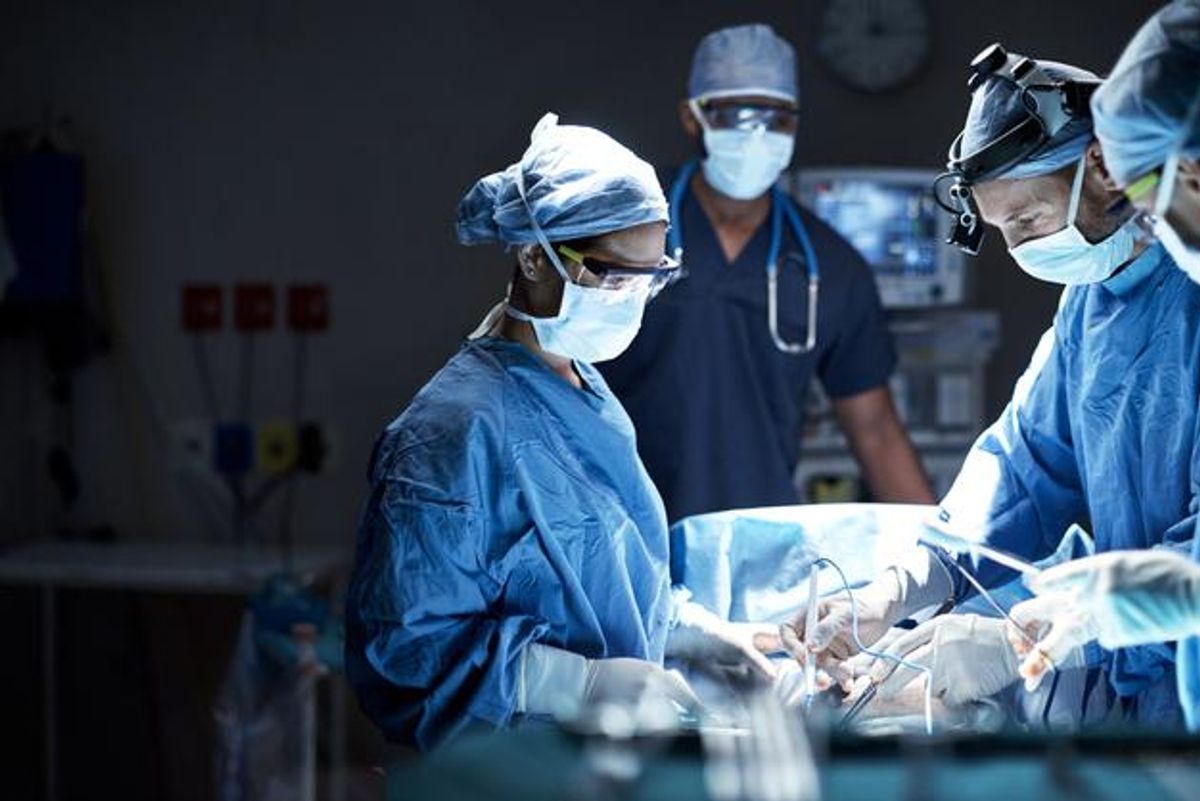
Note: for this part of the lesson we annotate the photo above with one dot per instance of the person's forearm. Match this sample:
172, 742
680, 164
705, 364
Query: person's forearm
890, 466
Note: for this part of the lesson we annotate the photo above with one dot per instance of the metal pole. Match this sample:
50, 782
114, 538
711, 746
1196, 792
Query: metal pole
50, 690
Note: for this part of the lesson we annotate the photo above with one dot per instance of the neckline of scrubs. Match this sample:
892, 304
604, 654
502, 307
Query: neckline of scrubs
586, 373
1126, 281
763, 229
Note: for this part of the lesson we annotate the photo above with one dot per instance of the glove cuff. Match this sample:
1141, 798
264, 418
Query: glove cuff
922, 581
552, 681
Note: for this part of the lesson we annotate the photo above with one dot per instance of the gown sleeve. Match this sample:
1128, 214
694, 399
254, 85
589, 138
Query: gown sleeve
425, 651
1019, 488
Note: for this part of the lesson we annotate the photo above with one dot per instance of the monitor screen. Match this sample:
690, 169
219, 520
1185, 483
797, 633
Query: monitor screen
893, 226
890, 216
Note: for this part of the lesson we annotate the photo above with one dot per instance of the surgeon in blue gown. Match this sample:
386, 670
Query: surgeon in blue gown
512, 556
1147, 120
1101, 429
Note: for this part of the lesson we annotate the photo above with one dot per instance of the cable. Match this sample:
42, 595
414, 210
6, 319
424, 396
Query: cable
207, 385
900, 661
288, 511
247, 377
987, 596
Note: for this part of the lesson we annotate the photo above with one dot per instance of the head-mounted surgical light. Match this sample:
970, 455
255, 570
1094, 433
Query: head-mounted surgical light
1050, 105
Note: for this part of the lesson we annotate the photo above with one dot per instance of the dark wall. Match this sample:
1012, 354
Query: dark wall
331, 141
290, 140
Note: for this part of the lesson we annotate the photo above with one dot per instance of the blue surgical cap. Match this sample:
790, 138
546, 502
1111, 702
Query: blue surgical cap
1141, 108
579, 183
743, 60
997, 107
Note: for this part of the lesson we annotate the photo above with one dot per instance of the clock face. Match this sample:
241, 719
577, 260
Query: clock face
874, 45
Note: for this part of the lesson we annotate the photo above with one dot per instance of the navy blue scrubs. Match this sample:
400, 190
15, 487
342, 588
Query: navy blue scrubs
718, 409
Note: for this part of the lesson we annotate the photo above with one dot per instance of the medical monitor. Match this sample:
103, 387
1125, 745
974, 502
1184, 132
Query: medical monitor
891, 218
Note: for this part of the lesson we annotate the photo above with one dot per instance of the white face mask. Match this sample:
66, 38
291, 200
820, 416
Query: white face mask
592, 324
1185, 256
745, 164
1067, 257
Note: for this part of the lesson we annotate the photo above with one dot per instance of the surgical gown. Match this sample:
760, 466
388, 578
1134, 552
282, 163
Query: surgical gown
506, 507
1102, 427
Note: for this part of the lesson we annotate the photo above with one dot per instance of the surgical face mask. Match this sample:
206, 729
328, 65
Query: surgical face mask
743, 163
1067, 257
1185, 255
592, 324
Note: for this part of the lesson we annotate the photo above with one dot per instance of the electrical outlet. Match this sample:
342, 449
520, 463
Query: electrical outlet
308, 307
202, 307
278, 447
191, 446
233, 445
313, 448
254, 307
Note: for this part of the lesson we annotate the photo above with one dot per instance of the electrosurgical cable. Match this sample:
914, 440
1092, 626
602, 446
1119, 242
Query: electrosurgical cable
899, 661
987, 596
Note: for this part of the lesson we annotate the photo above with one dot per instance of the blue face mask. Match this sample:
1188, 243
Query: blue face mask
743, 163
593, 324
1185, 254
1067, 257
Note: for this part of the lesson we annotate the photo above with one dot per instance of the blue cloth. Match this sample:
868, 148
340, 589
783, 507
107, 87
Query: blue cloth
1092, 433
743, 60
718, 409
1140, 109
997, 107
579, 183
506, 507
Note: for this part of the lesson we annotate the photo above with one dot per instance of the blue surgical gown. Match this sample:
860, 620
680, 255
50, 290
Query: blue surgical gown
506, 507
718, 408
1102, 427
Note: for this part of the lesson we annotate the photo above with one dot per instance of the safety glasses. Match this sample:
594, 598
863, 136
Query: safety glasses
735, 115
622, 276
1141, 194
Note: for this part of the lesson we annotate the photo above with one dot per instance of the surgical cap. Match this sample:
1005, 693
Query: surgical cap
1141, 108
579, 183
997, 106
744, 60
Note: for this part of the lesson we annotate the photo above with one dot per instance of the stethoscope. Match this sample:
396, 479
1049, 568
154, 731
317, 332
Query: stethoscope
779, 207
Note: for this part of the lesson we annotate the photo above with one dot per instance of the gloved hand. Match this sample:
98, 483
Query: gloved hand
705, 641
561, 683
1120, 598
969, 657
1053, 631
918, 582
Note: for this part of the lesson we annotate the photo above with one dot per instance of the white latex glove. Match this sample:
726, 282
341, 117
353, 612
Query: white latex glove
969, 656
705, 641
902, 590
1120, 598
1055, 629
1135, 597
561, 683
861, 663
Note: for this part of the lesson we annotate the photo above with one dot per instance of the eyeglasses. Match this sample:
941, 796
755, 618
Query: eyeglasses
735, 115
622, 276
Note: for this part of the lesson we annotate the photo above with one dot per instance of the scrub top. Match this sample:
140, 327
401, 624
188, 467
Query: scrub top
1102, 430
506, 507
718, 409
